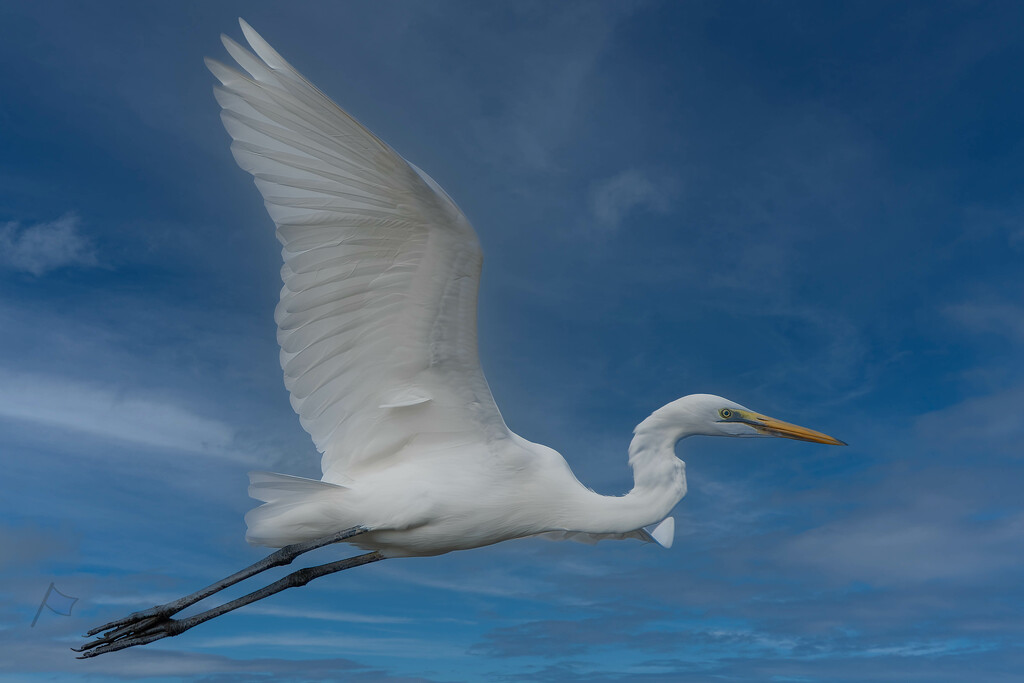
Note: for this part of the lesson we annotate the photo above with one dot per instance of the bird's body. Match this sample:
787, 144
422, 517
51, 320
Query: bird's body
460, 497
438, 501
377, 327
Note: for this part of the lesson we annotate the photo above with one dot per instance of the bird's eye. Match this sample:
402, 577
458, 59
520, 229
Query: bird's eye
725, 413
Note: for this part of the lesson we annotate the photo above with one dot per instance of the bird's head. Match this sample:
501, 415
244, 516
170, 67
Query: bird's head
712, 415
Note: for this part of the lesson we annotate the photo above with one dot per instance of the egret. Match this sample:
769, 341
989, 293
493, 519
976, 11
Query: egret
377, 328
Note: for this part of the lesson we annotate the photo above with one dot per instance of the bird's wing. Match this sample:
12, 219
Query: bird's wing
377, 319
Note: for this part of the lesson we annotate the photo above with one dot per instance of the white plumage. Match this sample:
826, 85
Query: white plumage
377, 326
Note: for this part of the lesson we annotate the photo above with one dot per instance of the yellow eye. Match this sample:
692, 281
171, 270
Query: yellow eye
725, 413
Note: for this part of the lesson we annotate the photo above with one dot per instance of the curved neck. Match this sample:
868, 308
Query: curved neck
659, 481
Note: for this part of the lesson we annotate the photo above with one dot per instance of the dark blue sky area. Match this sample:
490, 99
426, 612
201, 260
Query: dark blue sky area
813, 209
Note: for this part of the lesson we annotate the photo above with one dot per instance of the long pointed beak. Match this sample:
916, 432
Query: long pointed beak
773, 427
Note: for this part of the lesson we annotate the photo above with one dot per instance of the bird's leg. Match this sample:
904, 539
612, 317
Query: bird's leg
139, 621
149, 631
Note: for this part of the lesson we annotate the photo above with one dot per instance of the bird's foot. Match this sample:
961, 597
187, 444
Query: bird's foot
135, 629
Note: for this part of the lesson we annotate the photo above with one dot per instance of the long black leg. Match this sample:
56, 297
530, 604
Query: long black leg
157, 628
140, 621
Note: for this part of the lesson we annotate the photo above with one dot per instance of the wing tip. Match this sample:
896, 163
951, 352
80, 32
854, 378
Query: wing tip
261, 47
214, 65
228, 42
222, 72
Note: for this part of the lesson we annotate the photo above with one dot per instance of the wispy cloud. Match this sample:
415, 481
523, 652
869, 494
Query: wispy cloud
909, 546
537, 106
490, 582
102, 412
39, 248
311, 642
30, 653
613, 199
325, 615
987, 423
137, 600
25, 546
989, 318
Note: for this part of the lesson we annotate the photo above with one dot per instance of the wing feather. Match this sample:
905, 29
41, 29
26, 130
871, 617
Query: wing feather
377, 318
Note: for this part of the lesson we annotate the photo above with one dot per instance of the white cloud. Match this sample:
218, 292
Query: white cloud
990, 318
140, 601
340, 643
42, 247
47, 651
533, 102
909, 545
987, 423
611, 200
32, 544
325, 615
101, 412
490, 582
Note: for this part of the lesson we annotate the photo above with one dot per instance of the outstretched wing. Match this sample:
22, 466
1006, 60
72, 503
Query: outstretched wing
377, 319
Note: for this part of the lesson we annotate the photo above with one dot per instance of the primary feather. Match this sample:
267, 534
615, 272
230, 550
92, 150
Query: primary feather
377, 319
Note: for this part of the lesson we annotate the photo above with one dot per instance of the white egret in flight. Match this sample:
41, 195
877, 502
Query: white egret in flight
377, 327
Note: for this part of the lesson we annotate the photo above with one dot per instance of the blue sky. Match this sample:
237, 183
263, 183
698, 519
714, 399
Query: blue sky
813, 209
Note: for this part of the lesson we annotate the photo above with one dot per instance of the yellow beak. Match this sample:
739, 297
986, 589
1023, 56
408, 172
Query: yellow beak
773, 427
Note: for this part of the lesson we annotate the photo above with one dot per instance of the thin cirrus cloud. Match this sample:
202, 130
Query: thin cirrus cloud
339, 643
100, 412
984, 423
900, 546
22, 652
325, 615
535, 111
613, 199
989, 318
39, 248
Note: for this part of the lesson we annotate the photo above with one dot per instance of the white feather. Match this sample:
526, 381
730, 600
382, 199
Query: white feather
378, 309
377, 327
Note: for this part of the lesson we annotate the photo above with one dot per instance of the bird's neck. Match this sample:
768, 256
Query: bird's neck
659, 482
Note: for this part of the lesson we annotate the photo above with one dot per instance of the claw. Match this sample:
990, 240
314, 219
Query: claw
133, 617
142, 639
144, 631
136, 629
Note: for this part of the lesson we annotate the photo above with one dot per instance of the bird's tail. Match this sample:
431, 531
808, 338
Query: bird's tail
294, 509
